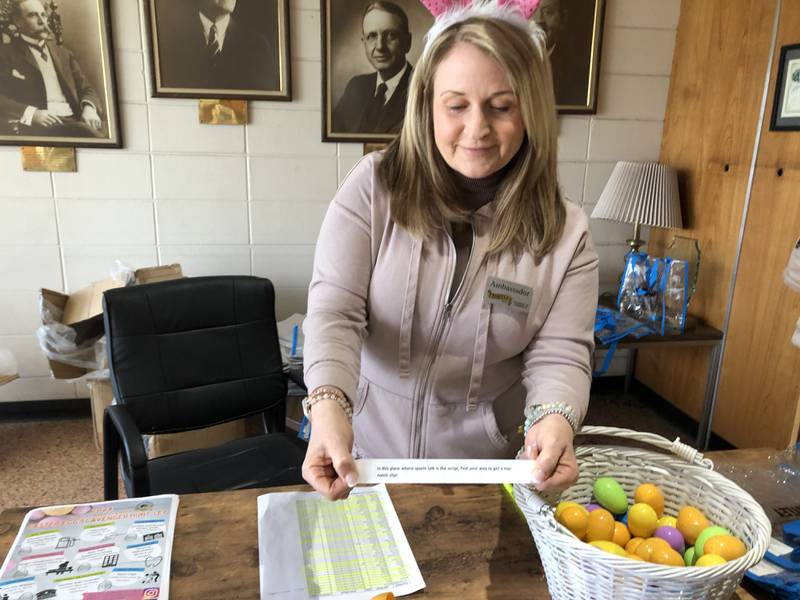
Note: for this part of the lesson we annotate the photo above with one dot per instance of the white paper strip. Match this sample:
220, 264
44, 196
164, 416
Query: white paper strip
444, 470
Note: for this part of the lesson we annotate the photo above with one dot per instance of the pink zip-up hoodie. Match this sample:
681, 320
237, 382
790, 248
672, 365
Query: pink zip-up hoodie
432, 378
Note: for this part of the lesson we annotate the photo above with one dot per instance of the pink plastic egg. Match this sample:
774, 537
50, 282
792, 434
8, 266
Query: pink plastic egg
672, 536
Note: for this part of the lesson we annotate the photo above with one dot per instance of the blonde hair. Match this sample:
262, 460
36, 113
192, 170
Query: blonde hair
530, 213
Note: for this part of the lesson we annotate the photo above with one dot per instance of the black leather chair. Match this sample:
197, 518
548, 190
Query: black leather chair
187, 354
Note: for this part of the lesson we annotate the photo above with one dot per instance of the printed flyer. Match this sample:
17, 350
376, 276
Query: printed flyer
118, 550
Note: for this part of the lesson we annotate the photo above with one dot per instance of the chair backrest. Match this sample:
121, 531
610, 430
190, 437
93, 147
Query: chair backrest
194, 352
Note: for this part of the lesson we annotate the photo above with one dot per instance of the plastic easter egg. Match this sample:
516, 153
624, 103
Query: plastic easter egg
576, 519
562, 505
622, 519
642, 520
652, 495
601, 526
672, 536
706, 535
650, 546
710, 560
591, 507
726, 546
667, 557
621, 534
610, 495
634, 557
667, 521
609, 547
384, 596
633, 544
688, 556
691, 523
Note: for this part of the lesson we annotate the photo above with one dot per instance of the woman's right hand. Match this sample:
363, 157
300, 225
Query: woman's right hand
329, 466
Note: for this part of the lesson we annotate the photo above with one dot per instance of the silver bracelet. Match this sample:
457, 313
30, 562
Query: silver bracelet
537, 412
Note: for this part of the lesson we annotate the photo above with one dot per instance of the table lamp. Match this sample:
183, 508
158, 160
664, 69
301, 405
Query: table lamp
642, 193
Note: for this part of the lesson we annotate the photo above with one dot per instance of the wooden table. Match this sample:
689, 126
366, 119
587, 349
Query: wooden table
471, 543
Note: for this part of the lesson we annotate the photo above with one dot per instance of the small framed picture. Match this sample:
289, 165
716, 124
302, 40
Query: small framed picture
574, 30
369, 50
220, 49
786, 108
57, 84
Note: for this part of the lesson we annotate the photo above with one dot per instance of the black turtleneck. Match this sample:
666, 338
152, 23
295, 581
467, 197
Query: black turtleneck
472, 194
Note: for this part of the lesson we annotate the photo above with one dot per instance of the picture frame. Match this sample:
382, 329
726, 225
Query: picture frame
67, 46
230, 49
574, 30
349, 76
786, 103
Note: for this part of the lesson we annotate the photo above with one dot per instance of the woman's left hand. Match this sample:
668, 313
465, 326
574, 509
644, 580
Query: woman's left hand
549, 444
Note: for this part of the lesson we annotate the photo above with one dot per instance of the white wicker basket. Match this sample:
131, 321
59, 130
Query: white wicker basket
577, 570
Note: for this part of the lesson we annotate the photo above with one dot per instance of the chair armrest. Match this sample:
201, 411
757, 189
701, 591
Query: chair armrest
121, 435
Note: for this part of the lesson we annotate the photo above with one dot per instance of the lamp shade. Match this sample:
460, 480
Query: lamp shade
641, 192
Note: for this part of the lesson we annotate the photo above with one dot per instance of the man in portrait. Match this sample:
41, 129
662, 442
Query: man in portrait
570, 51
43, 91
202, 45
375, 102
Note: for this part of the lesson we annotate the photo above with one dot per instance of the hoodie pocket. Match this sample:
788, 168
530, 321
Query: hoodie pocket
361, 396
497, 438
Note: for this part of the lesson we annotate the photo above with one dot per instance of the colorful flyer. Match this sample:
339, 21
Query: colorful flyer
104, 550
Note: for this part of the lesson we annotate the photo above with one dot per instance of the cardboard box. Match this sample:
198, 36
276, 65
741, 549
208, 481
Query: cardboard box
83, 310
170, 443
101, 395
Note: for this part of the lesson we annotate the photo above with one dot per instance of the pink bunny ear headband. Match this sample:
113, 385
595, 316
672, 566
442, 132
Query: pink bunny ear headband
517, 12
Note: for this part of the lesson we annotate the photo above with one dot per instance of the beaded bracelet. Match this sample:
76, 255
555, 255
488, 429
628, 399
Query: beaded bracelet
328, 393
537, 412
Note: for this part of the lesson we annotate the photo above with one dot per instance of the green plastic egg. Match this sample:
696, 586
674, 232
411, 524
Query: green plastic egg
688, 556
610, 495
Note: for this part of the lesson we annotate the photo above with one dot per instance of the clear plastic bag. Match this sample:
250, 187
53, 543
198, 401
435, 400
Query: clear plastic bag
674, 295
635, 298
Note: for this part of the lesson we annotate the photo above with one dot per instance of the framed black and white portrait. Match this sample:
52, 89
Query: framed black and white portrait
786, 105
369, 49
574, 31
57, 84
220, 48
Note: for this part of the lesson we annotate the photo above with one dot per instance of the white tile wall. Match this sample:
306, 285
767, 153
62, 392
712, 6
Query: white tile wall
222, 199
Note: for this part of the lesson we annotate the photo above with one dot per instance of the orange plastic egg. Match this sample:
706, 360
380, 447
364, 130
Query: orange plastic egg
666, 557
726, 546
384, 596
576, 519
691, 523
562, 505
634, 557
621, 534
652, 495
601, 526
633, 544
650, 546
642, 520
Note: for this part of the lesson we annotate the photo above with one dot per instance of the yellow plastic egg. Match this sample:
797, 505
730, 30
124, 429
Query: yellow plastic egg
609, 547
667, 522
726, 546
576, 519
601, 526
648, 493
621, 534
642, 520
633, 544
710, 560
691, 523
562, 505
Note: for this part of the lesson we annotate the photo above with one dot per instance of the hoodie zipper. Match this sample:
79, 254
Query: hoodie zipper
419, 404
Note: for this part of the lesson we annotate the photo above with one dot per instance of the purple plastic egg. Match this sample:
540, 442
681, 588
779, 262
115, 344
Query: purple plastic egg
82, 509
672, 536
591, 507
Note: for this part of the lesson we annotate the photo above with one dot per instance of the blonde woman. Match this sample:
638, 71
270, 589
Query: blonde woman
454, 289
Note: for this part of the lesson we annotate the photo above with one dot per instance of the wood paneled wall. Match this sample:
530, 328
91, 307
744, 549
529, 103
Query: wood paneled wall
721, 58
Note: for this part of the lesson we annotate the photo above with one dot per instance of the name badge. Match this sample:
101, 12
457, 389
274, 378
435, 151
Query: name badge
507, 293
